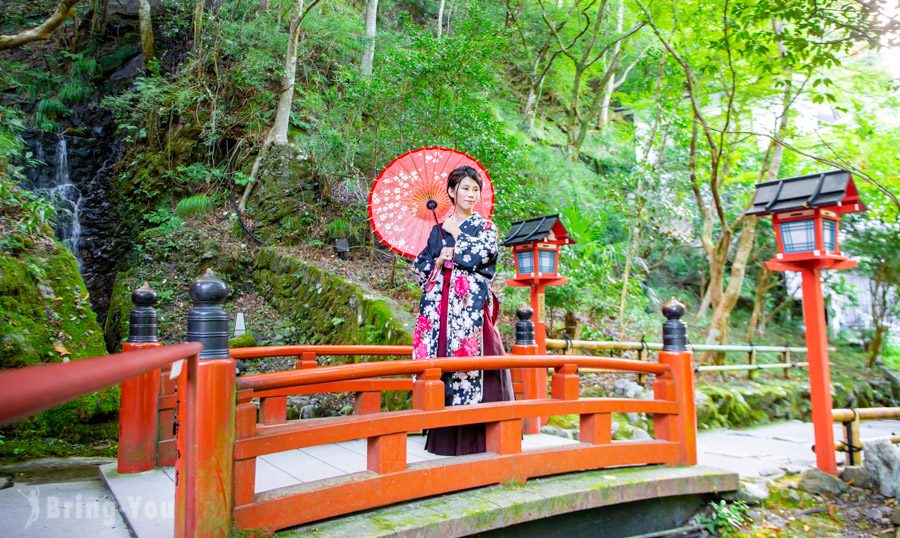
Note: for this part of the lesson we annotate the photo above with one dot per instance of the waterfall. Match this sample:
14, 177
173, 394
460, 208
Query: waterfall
67, 199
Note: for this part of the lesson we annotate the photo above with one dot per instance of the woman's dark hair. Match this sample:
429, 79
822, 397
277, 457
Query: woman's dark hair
457, 175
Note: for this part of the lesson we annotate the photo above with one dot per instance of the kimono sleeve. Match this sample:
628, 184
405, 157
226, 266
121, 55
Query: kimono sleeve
424, 263
476, 249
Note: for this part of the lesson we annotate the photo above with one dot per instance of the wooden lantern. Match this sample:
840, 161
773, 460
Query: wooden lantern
806, 213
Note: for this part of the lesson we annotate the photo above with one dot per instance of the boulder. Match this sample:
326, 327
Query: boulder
874, 514
772, 474
560, 432
817, 482
753, 491
895, 515
882, 460
625, 388
129, 8
5, 482
857, 476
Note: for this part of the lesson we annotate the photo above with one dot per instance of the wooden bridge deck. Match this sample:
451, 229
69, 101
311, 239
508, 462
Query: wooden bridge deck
134, 493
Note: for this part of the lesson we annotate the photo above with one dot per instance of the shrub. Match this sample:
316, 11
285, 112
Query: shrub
194, 206
75, 92
338, 228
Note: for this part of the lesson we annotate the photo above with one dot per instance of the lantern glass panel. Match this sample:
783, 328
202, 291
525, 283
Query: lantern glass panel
547, 261
829, 234
798, 235
525, 261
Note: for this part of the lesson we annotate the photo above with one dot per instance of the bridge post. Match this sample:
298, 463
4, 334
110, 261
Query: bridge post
204, 495
534, 380
679, 387
138, 413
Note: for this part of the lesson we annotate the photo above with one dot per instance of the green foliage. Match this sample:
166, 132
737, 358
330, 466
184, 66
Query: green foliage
338, 228
725, 516
116, 58
75, 92
25, 218
194, 206
48, 110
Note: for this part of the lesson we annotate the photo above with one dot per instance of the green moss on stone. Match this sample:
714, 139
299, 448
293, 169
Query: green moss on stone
244, 340
330, 309
48, 319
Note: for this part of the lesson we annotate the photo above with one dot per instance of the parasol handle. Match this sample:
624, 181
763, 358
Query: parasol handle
432, 205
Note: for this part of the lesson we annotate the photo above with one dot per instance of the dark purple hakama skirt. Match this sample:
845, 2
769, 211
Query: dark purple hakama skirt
495, 387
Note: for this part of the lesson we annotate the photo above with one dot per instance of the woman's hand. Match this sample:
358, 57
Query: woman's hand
452, 227
446, 254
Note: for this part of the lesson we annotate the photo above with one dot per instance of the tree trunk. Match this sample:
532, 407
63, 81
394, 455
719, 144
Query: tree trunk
43, 30
718, 327
571, 323
630, 251
371, 27
279, 132
611, 83
98, 18
278, 135
876, 345
146, 30
440, 20
534, 89
199, 8
759, 302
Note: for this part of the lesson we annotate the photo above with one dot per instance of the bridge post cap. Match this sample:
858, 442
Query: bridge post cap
208, 289
673, 309
524, 313
144, 296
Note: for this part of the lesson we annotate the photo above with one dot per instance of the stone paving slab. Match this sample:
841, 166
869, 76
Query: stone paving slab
76, 509
469, 512
775, 446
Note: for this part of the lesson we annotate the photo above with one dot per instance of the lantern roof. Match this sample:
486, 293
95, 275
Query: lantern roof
827, 189
546, 228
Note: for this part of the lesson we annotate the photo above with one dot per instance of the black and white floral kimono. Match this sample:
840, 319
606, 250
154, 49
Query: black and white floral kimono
457, 299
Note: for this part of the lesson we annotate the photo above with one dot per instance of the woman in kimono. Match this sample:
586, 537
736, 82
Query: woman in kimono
455, 269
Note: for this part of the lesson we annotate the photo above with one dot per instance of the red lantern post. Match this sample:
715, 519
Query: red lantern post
806, 213
535, 243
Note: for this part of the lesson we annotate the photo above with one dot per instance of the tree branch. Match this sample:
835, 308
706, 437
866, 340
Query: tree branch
43, 30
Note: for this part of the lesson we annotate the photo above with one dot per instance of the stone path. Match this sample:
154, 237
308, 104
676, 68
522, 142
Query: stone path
786, 445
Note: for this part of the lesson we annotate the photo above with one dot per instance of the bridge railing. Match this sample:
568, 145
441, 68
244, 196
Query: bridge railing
27, 391
390, 479
786, 354
367, 399
221, 431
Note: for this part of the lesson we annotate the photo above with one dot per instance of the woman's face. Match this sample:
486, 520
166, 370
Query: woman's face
467, 193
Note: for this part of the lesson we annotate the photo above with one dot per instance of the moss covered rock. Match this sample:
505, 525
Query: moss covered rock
287, 196
244, 340
47, 319
326, 307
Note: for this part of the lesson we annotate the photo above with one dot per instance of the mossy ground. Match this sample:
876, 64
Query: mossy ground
790, 512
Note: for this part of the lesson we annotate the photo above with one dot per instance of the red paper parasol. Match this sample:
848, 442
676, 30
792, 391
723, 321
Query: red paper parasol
398, 200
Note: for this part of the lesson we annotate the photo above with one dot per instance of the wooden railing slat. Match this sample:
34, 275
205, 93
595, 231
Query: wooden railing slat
300, 434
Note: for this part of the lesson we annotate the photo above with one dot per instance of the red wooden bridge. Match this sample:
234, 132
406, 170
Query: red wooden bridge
183, 404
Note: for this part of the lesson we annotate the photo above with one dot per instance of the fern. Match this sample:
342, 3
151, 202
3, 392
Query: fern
338, 228
194, 206
47, 111
75, 92
85, 67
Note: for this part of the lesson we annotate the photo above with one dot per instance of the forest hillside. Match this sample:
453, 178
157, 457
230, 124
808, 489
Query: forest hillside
155, 138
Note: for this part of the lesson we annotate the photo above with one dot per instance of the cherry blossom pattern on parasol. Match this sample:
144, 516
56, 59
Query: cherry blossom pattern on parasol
398, 201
